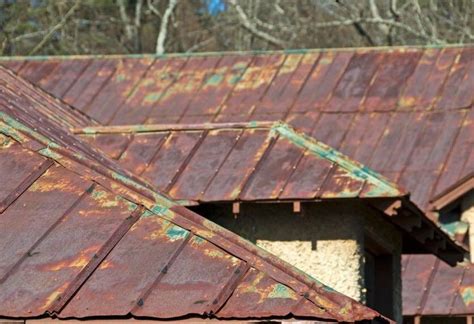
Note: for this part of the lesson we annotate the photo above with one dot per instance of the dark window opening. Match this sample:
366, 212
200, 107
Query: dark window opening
378, 278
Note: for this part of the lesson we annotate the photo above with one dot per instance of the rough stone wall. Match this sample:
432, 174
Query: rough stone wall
324, 240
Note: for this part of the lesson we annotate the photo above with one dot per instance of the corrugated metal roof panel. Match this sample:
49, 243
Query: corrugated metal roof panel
345, 83
431, 287
193, 157
85, 238
212, 163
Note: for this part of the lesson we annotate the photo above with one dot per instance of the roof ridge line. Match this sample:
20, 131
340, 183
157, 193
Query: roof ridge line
298, 138
358, 169
224, 53
57, 152
140, 128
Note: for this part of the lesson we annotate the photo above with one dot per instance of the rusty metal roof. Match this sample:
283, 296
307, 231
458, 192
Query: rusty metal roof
431, 287
237, 162
259, 161
81, 237
411, 108
454, 192
17, 92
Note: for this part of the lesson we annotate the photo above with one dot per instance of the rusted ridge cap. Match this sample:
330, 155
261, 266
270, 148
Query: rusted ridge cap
382, 184
150, 128
453, 193
159, 205
384, 187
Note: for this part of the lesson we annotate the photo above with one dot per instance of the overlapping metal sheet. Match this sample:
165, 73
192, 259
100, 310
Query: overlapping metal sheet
256, 161
432, 288
410, 107
80, 237
237, 162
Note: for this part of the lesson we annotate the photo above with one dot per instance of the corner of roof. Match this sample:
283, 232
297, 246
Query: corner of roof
381, 186
453, 192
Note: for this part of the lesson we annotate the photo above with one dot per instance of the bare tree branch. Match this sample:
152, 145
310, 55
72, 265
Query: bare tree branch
55, 28
160, 41
125, 19
252, 28
153, 9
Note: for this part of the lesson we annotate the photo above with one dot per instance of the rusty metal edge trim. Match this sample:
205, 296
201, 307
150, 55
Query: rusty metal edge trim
453, 193
403, 204
149, 128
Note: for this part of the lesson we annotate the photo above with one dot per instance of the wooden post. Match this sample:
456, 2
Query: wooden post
236, 208
297, 207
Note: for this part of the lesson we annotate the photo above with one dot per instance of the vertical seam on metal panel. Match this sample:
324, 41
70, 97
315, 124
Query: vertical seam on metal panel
55, 82
402, 92
292, 171
456, 293
361, 106
405, 82
259, 100
155, 155
331, 93
426, 292
132, 90
239, 136
25, 184
95, 261
347, 130
127, 144
446, 79
62, 95
298, 92
300, 61
248, 180
195, 94
101, 87
148, 290
328, 176
413, 149
231, 91
93, 75
167, 87
379, 138
51, 72
48, 231
227, 291
18, 70
188, 158
448, 156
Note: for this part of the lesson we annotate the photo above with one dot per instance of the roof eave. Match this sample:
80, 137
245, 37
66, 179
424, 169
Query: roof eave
428, 236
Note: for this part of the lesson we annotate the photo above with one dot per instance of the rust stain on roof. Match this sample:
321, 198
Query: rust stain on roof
267, 154
431, 287
254, 161
82, 237
415, 122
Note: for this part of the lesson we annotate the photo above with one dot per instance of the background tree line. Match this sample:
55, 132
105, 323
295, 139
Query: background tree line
55, 27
